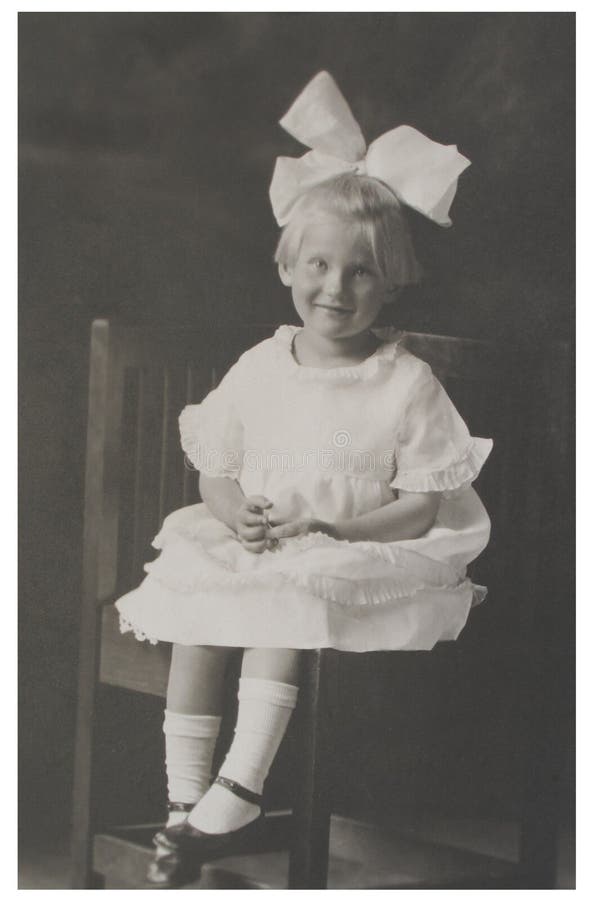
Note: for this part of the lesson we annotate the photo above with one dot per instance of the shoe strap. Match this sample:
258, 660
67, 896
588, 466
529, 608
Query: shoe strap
239, 790
176, 806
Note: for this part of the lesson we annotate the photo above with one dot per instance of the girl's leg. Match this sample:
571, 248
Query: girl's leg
192, 722
272, 665
196, 679
267, 696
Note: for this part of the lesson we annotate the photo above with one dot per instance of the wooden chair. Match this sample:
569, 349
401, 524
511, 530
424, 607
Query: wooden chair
139, 381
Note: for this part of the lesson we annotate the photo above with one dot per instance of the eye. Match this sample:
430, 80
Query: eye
360, 271
318, 263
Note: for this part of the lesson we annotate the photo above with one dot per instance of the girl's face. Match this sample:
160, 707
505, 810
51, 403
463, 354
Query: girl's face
336, 286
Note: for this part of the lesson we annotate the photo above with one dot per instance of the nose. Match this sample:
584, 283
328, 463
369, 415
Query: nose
334, 283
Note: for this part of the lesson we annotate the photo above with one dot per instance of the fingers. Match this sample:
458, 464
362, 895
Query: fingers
250, 518
289, 529
255, 546
252, 532
259, 546
253, 527
274, 521
256, 503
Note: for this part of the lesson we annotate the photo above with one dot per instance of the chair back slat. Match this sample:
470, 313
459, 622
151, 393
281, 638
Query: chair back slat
171, 463
127, 486
147, 464
199, 384
109, 516
96, 442
166, 447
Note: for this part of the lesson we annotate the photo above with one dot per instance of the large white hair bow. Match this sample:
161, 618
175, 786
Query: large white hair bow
421, 173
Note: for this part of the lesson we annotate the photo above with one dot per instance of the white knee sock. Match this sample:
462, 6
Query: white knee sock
190, 743
264, 711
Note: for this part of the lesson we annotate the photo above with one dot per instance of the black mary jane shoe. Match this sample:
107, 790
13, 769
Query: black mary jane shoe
181, 849
166, 866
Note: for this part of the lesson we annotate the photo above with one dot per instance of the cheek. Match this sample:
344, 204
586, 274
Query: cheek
369, 296
307, 282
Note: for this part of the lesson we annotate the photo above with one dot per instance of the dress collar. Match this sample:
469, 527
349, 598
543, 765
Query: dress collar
388, 349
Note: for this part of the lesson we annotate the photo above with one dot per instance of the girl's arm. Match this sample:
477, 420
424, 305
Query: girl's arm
222, 496
244, 515
409, 517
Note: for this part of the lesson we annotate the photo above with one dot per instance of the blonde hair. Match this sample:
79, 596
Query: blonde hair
372, 206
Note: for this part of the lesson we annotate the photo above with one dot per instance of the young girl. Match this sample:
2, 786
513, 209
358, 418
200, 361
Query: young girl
335, 475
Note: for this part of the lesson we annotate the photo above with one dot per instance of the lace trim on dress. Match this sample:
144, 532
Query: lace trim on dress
340, 591
365, 370
460, 474
126, 626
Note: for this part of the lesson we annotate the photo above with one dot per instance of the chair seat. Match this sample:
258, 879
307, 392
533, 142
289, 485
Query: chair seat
128, 663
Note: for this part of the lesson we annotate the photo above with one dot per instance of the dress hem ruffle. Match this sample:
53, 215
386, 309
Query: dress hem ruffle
317, 586
126, 625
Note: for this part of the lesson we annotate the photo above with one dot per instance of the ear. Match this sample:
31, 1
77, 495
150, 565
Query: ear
285, 274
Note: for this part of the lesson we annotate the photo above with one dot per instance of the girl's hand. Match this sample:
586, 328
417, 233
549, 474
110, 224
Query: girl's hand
298, 527
252, 524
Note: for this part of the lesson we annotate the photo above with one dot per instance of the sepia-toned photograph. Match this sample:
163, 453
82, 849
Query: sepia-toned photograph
296, 450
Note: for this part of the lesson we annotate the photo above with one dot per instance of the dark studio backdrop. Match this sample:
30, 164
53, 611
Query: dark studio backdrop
147, 142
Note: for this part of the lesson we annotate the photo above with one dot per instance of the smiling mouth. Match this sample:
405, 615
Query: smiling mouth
334, 309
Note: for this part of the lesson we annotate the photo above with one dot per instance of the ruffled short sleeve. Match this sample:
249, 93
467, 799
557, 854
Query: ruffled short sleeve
211, 431
435, 451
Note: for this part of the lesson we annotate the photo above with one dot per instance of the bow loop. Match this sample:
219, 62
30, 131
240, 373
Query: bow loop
422, 173
320, 118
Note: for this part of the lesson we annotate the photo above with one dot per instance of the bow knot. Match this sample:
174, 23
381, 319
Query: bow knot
421, 173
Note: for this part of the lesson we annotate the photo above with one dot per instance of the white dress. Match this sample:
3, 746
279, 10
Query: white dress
329, 444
